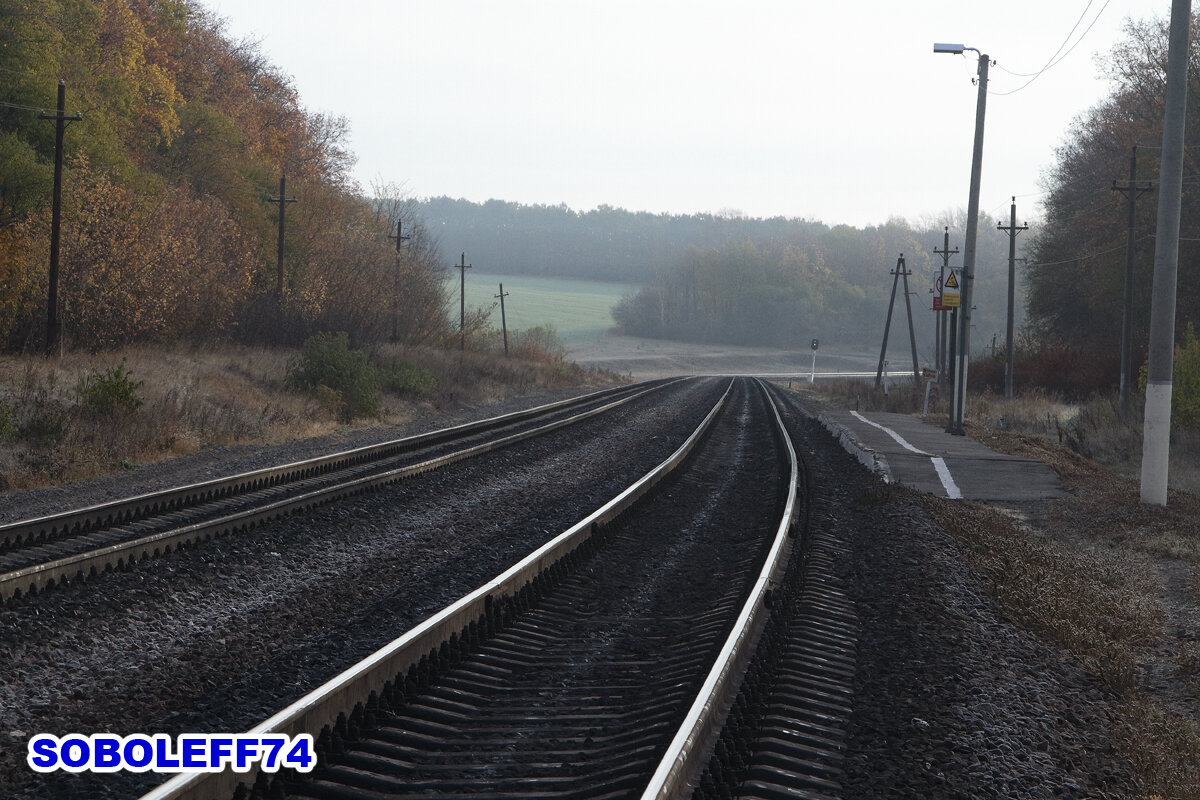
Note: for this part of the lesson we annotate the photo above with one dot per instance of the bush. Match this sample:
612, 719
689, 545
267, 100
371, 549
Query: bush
540, 343
10, 428
403, 377
327, 360
1185, 381
102, 393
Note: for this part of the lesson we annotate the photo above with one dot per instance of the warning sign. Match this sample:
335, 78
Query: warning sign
950, 291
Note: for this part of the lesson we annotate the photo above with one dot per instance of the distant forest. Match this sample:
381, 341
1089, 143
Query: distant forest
733, 279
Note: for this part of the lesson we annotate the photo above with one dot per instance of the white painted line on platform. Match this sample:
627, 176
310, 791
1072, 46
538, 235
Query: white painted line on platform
952, 490
890, 433
939, 464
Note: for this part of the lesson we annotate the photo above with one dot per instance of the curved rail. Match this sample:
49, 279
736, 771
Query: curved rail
321, 708
689, 751
35, 577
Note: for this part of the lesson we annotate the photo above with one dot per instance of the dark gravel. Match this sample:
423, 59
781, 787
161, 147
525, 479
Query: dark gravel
953, 700
293, 603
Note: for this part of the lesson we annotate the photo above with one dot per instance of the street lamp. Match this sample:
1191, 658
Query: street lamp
958, 399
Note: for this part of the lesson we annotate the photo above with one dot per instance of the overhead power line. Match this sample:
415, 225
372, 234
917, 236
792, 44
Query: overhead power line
1056, 59
1089, 255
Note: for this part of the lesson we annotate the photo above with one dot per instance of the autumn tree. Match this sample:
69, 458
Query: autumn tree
1077, 274
167, 232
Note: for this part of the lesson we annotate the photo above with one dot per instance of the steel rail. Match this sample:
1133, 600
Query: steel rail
83, 565
124, 510
322, 706
690, 750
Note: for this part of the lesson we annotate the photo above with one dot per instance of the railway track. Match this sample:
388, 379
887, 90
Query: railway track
42, 553
609, 662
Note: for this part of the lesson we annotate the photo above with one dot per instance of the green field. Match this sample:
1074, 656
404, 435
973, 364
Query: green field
578, 310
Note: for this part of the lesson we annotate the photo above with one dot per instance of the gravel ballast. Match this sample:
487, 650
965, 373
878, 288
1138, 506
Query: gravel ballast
953, 699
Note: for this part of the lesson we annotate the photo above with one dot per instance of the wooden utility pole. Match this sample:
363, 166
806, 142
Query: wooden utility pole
901, 271
462, 302
400, 239
943, 358
1131, 192
503, 322
53, 326
283, 200
1013, 229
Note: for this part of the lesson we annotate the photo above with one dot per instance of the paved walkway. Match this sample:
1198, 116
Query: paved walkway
903, 449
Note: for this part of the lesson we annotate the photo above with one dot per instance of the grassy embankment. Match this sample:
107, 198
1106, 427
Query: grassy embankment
1112, 582
84, 415
154, 403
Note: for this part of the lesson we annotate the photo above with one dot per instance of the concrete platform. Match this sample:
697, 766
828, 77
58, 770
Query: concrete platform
905, 450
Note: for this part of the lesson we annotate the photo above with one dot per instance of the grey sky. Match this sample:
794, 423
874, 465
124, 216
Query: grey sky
834, 111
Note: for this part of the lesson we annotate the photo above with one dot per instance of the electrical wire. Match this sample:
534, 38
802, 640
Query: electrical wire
1090, 255
1056, 58
23, 108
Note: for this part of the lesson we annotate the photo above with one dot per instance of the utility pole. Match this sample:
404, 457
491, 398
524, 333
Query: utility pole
53, 326
462, 302
901, 271
1131, 192
940, 329
400, 239
958, 400
1013, 229
1156, 431
503, 322
283, 200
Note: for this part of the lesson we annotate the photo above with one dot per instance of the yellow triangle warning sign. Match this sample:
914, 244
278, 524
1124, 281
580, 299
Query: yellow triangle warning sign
952, 281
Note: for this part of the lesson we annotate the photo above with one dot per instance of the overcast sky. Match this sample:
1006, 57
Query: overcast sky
837, 111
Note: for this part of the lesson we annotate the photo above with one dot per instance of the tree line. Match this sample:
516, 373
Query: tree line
167, 229
729, 278
1076, 275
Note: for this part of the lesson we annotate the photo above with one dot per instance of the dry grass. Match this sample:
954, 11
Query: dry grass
1097, 603
199, 399
1162, 749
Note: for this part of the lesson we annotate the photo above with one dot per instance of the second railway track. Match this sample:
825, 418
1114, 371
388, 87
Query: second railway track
40, 553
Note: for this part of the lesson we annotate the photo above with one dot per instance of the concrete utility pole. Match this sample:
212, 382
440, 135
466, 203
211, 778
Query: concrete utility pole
901, 271
958, 398
1131, 192
283, 200
940, 329
53, 326
1156, 432
503, 322
462, 302
400, 239
1013, 229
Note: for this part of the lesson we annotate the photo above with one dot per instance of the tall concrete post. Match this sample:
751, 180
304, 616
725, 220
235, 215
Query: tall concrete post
958, 397
1156, 432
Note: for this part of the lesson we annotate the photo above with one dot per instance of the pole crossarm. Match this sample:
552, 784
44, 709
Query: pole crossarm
503, 320
943, 356
1131, 190
1013, 229
399, 234
463, 266
61, 120
282, 200
400, 239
